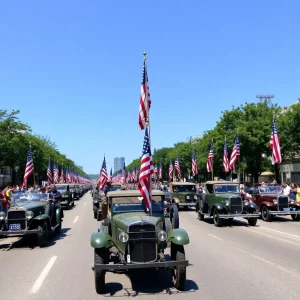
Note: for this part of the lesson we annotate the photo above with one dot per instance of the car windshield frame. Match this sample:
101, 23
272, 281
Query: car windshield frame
269, 189
227, 188
62, 188
184, 188
29, 197
134, 204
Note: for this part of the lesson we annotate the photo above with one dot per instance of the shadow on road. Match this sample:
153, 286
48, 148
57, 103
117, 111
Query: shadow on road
228, 223
148, 282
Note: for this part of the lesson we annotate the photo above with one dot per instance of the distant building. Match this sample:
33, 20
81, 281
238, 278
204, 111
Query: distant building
118, 163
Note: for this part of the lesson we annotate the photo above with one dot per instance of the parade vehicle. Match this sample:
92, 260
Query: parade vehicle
66, 195
272, 202
184, 194
74, 190
222, 200
134, 238
98, 198
32, 214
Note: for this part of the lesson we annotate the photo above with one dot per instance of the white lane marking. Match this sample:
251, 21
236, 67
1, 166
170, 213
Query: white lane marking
76, 219
216, 237
84, 204
43, 275
293, 235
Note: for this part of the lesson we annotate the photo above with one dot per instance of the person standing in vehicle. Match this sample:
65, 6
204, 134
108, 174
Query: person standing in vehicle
56, 198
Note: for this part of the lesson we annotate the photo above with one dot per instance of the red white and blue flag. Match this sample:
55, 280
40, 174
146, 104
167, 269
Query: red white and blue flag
55, 173
225, 158
275, 144
177, 167
103, 175
146, 171
171, 170
49, 173
194, 164
160, 171
210, 160
235, 153
29, 169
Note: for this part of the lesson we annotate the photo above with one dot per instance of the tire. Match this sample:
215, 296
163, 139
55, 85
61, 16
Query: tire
178, 273
98, 215
95, 213
174, 216
296, 217
42, 238
252, 221
265, 214
68, 206
217, 221
100, 258
58, 228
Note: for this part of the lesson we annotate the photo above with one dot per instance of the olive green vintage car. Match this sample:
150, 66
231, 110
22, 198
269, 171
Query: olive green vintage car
67, 200
184, 194
223, 200
31, 214
133, 238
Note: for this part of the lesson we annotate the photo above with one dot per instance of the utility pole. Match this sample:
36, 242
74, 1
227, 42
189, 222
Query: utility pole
267, 98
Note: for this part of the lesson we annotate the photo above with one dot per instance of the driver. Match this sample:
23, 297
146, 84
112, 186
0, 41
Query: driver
56, 198
105, 200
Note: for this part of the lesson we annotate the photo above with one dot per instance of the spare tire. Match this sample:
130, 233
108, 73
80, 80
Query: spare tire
174, 216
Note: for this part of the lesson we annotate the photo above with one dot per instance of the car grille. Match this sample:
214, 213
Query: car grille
191, 198
16, 217
142, 243
236, 205
283, 202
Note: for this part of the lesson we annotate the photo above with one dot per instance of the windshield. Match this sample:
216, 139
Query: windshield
224, 188
270, 189
115, 188
26, 197
129, 204
61, 188
184, 188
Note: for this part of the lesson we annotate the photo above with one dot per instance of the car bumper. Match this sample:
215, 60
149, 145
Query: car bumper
187, 204
20, 232
272, 212
228, 216
159, 265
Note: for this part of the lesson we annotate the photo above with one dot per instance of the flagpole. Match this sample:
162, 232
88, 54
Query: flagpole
148, 126
212, 163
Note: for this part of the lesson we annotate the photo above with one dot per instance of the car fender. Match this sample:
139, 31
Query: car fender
297, 204
58, 215
42, 218
267, 204
253, 205
178, 236
218, 206
100, 239
176, 200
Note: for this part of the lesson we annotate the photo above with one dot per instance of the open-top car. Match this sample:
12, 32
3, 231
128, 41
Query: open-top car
132, 237
271, 201
31, 214
223, 200
184, 194
66, 195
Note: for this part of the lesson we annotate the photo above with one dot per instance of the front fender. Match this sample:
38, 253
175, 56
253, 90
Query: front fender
41, 217
297, 204
178, 236
253, 206
219, 206
58, 215
268, 204
100, 239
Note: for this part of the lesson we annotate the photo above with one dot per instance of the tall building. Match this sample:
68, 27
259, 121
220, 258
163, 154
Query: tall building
118, 163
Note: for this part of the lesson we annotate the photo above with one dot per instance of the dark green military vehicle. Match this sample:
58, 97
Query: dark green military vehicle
31, 214
66, 195
223, 200
133, 238
184, 194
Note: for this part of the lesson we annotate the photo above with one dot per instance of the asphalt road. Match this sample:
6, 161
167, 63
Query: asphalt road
232, 262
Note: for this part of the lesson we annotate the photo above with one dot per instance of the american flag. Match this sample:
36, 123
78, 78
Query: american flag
55, 173
225, 158
210, 160
49, 173
124, 174
235, 153
62, 176
177, 167
155, 172
160, 171
134, 174
103, 177
145, 101
171, 170
111, 175
146, 171
275, 144
29, 169
194, 164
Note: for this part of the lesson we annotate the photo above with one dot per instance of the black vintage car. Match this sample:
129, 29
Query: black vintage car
31, 214
74, 190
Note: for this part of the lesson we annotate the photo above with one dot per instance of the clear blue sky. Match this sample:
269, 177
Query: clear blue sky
74, 68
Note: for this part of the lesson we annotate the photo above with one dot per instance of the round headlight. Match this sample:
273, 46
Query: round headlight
123, 237
246, 202
227, 202
187, 197
2, 215
195, 197
162, 235
29, 214
275, 201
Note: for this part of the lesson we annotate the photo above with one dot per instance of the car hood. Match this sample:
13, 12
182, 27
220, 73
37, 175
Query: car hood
27, 205
226, 196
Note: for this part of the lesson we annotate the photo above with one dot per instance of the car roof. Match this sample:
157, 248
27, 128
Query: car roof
183, 183
222, 182
132, 193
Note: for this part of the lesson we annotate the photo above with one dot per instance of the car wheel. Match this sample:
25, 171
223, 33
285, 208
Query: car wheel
179, 272
99, 215
174, 216
252, 221
217, 220
42, 237
100, 258
95, 213
58, 228
265, 214
296, 217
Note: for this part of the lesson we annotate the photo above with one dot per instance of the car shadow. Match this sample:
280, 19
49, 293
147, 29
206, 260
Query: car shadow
228, 223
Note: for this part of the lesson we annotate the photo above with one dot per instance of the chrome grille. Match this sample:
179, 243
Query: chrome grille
236, 205
191, 198
16, 217
283, 202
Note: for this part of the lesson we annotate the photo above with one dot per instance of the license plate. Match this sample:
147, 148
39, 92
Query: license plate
14, 226
286, 209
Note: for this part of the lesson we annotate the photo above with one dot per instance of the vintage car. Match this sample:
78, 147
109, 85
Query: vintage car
98, 197
74, 190
66, 200
223, 200
271, 202
184, 194
31, 214
132, 237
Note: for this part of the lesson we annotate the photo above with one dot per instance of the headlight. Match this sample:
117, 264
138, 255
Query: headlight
123, 237
292, 202
275, 201
195, 197
162, 235
29, 214
188, 197
2, 215
227, 202
246, 202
